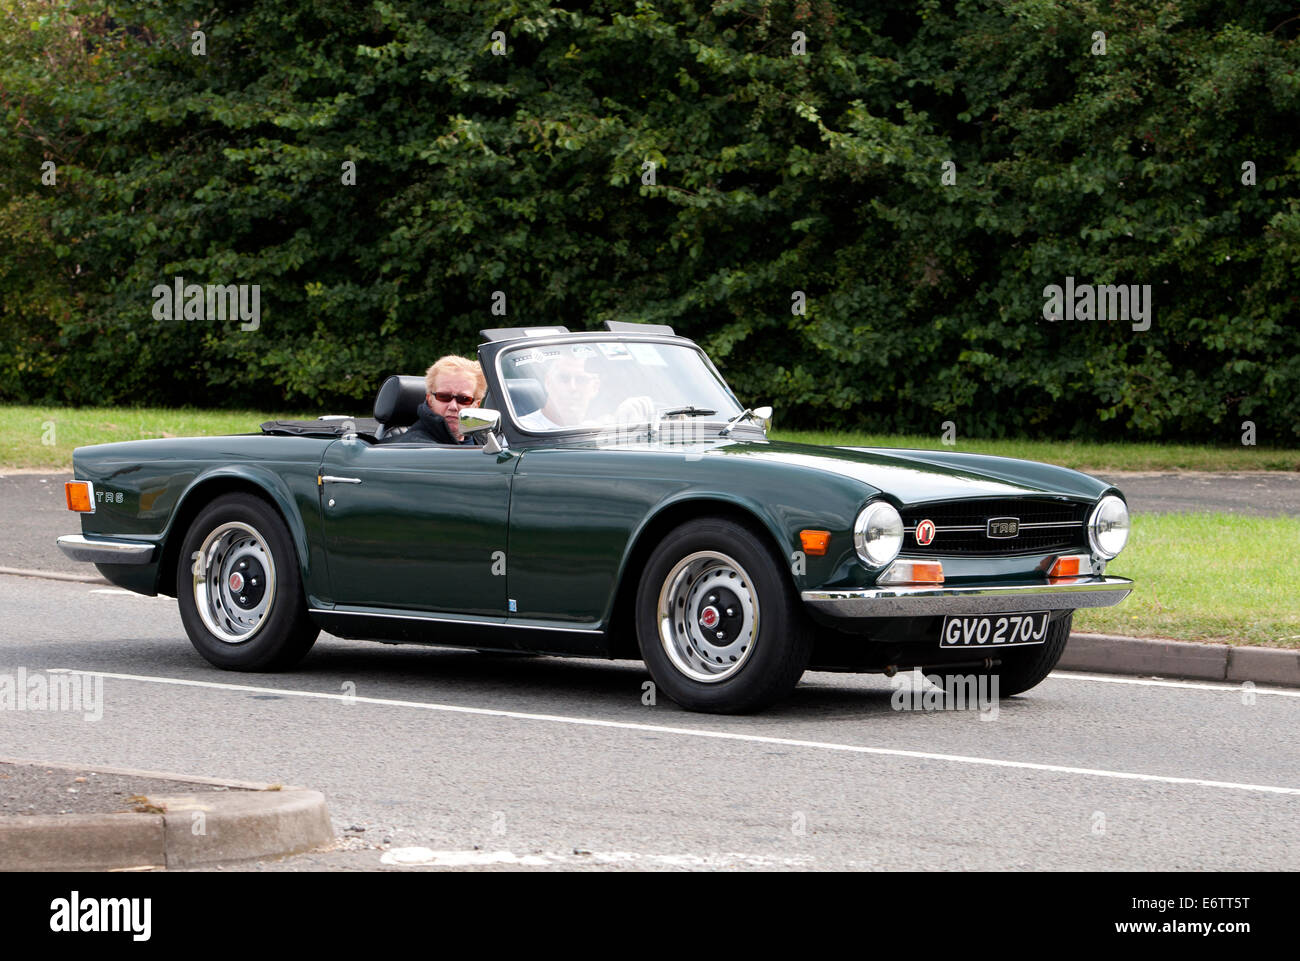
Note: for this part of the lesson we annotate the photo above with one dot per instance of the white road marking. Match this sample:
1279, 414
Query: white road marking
118, 592
457, 859
1233, 687
693, 732
421, 857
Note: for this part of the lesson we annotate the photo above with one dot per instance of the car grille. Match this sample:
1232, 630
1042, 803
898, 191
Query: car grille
961, 527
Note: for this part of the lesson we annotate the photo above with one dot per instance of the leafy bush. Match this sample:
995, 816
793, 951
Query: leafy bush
776, 173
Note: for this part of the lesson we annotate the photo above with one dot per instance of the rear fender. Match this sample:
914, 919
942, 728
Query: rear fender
296, 499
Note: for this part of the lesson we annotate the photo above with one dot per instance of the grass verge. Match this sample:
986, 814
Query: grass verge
1079, 455
43, 437
1207, 577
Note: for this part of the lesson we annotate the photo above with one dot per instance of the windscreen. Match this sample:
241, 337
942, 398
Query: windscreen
595, 385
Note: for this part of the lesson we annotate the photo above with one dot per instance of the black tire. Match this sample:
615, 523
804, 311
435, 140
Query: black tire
752, 669
271, 634
1027, 667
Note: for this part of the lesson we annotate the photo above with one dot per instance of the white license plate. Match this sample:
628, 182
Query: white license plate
994, 630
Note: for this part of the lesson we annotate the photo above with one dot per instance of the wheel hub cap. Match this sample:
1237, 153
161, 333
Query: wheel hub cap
234, 582
708, 616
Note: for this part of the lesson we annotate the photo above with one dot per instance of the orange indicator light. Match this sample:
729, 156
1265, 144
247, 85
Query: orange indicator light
927, 572
78, 493
1066, 566
815, 542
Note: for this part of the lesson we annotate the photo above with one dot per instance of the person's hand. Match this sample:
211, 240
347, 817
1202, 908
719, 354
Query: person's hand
635, 410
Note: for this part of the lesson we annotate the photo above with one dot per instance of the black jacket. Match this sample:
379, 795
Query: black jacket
430, 428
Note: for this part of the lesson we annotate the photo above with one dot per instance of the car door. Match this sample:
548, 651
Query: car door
420, 527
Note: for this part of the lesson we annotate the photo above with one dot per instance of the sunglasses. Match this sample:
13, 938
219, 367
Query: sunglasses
446, 397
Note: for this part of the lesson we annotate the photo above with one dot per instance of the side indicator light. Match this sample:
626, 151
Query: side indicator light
927, 572
80, 496
815, 542
913, 572
1071, 566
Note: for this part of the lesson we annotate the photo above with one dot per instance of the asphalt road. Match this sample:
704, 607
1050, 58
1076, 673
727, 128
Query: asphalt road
34, 514
506, 762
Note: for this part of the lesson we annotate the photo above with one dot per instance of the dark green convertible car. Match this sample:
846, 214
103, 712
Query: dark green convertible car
619, 502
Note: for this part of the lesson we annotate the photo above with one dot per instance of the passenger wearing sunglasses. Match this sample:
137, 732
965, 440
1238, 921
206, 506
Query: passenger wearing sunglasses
453, 383
570, 390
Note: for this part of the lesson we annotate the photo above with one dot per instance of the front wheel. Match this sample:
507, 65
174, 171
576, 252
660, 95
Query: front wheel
718, 622
239, 590
1026, 667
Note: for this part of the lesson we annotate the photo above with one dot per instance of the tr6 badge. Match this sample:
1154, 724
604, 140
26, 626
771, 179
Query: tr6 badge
925, 532
1003, 527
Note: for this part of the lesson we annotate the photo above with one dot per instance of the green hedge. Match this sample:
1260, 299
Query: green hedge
776, 173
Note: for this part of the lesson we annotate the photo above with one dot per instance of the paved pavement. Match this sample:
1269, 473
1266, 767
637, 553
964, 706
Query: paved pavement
34, 514
74, 818
36, 789
464, 760
1263, 493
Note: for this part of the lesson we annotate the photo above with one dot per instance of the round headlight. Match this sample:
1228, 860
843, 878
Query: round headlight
878, 534
1108, 527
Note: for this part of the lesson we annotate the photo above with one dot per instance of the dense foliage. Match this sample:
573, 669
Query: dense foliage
775, 173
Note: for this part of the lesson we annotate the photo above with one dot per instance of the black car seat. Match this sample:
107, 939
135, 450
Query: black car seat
526, 395
396, 405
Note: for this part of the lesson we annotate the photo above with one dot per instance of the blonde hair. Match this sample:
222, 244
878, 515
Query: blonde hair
452, 364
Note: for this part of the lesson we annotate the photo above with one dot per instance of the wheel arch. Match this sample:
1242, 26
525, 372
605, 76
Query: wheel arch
208, 487
667, 518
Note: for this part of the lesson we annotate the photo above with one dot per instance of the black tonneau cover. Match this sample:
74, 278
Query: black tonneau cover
363, 426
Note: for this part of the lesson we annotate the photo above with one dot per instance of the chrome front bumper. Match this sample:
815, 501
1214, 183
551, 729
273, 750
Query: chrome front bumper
105, 551
925, 600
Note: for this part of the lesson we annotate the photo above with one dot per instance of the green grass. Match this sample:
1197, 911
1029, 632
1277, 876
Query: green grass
1080, 455
24, 431
1207, 577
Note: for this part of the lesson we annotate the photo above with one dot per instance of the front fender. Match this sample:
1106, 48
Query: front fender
780, 518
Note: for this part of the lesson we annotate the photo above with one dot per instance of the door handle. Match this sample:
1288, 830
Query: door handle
330, 479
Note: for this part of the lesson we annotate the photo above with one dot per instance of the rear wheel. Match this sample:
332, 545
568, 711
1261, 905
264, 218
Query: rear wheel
719, 625
239, 590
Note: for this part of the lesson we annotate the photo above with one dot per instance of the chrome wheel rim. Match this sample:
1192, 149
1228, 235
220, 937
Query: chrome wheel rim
707, 616
234, 582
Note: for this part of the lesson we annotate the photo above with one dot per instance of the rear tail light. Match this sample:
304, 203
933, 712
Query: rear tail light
81, 496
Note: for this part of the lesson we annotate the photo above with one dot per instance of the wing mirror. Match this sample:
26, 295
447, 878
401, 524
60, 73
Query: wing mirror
762, 416
479, 420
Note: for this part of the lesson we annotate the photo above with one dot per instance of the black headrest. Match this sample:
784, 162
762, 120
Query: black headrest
527, 395
399, 398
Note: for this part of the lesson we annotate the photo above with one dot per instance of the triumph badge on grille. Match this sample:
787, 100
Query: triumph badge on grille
1003, 526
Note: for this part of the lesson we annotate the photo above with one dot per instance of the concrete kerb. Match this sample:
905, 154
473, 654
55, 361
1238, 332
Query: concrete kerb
257, 821
1111, 654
